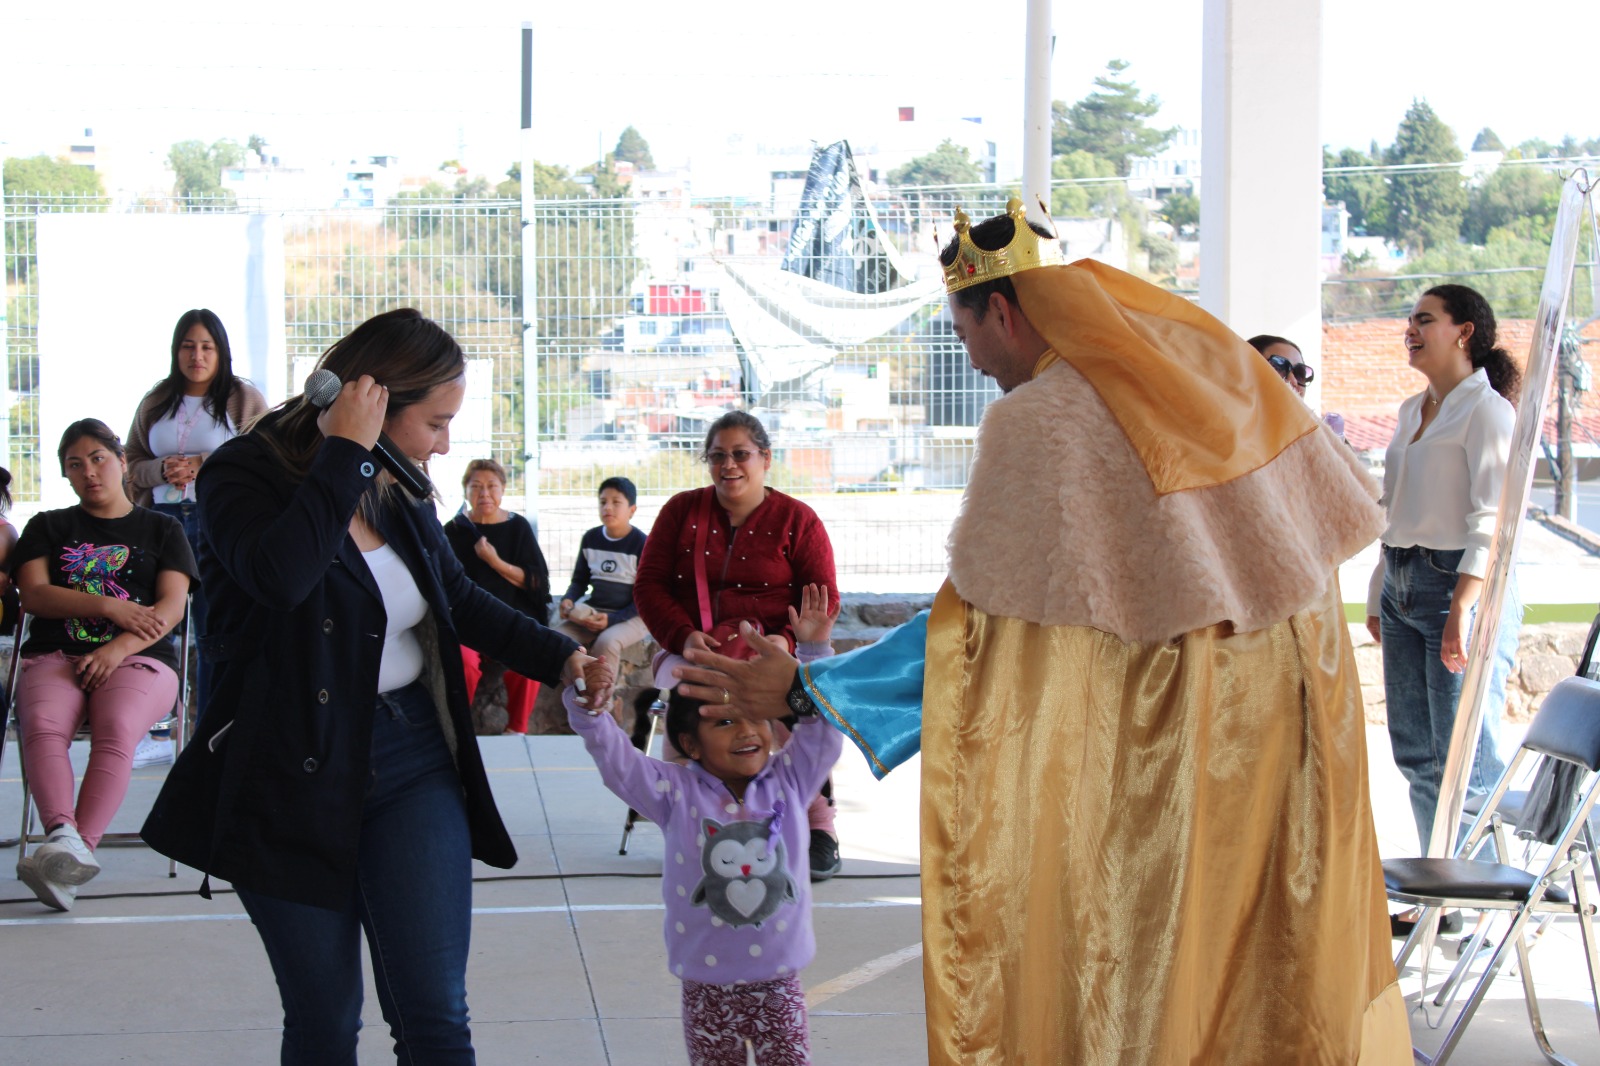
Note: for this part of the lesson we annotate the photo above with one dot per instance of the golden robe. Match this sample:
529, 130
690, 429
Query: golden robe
1146, 831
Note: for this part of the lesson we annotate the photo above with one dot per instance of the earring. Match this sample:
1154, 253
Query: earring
1461, 342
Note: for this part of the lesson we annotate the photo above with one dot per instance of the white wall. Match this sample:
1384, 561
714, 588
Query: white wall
111, 288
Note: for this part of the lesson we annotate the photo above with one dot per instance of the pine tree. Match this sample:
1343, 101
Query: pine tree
1110, 122
1364, 193
633, 148
1425, 205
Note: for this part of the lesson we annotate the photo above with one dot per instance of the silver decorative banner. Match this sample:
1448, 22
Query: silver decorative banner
1538, 373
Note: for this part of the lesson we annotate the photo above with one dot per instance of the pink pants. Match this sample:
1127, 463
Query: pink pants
51, 707
770, 1015
521, 692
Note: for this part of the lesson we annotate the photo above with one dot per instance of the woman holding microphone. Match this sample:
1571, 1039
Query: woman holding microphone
335, 781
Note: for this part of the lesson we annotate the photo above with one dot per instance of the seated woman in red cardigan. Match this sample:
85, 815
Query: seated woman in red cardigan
757, 548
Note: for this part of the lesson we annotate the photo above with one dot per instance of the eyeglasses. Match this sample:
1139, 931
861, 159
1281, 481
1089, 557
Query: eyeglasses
1302, 373
738, 455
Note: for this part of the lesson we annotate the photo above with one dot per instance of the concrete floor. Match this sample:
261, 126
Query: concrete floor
567, 965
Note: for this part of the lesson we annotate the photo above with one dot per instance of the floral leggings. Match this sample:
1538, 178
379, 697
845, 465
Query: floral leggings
771, 1015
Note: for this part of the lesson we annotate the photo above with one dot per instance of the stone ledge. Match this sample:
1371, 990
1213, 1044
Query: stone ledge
1546, 653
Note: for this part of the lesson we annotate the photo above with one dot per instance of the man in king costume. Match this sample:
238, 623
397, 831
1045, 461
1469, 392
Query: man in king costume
1146, 831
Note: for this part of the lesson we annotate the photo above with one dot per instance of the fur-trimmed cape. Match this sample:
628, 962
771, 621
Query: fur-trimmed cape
1061, 524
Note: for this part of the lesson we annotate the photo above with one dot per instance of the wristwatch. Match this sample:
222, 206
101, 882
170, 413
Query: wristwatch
799, 699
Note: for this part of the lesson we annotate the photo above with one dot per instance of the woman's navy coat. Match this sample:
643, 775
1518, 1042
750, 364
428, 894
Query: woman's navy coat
268, 795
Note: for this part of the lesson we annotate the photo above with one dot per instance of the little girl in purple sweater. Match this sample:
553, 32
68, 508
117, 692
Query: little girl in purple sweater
736, 884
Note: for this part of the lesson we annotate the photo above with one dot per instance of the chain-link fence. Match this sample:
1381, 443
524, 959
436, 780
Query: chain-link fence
652, 317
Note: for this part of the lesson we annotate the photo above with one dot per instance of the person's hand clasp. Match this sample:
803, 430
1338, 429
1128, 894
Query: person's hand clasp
599, 684
178, 470
96, 668
813, 623
757, 687
357, 413
596, 622
143, 622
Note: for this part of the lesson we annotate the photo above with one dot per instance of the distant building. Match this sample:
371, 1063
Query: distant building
1177, 166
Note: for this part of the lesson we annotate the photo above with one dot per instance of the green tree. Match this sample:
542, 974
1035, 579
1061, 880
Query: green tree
1086, 186
633, 148
1181, 209
550, 182
1487, 141
1111, 122
34, 185
1521, 199
603, 178
1426, 204
1364, 195
197, 172
948, 164
257, 144
54, 177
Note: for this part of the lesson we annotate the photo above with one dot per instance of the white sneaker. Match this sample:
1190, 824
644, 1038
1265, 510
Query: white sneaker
65, 859
51, 893
152, 752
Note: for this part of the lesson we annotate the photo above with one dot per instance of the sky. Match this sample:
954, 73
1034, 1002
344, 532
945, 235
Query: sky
336, 79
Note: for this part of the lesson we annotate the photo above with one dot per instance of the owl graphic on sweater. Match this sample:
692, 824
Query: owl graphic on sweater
746, 872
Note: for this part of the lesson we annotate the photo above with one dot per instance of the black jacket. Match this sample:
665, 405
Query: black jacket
268, 794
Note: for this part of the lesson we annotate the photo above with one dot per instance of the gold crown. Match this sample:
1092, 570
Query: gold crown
973, 265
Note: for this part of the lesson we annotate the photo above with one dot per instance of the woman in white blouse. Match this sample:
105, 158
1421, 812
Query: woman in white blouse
1441, 482
188, 415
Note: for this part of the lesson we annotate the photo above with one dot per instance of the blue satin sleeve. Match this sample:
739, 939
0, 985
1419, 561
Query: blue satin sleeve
874, 694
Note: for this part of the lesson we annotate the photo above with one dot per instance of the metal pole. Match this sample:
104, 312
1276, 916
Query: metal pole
530, 310
1566, 481
1036, 112
5, 346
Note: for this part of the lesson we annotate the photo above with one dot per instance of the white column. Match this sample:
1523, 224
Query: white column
1261, 170
530, 309
1036, 112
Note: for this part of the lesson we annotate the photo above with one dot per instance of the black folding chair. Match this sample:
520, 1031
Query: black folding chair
1566, 728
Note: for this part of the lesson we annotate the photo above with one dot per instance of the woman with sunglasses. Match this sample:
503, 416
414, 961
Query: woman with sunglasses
1441, 489
760, 548
1283, 355
1285, 358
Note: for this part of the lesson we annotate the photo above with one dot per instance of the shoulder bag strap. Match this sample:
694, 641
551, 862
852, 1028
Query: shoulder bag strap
701, 532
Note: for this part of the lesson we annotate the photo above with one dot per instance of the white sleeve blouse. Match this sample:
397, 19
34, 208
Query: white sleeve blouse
1443, 490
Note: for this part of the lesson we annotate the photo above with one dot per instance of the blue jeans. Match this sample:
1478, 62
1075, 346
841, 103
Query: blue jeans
188, 516
413, 899
1421, 693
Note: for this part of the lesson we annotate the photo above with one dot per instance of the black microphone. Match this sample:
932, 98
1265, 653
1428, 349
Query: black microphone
322, 388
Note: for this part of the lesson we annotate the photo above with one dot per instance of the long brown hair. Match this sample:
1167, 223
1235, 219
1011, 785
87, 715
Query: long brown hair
402, 349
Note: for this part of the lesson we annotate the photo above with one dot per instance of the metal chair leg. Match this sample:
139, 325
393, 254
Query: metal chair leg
633, 816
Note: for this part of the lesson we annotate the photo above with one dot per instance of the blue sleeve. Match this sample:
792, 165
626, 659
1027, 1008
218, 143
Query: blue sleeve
874, 694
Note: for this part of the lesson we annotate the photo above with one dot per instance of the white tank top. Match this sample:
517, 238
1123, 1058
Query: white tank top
403, 602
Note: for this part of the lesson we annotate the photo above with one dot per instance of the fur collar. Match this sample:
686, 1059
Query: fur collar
1061, 525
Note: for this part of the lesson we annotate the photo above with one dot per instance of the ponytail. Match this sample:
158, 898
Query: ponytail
1465, 304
